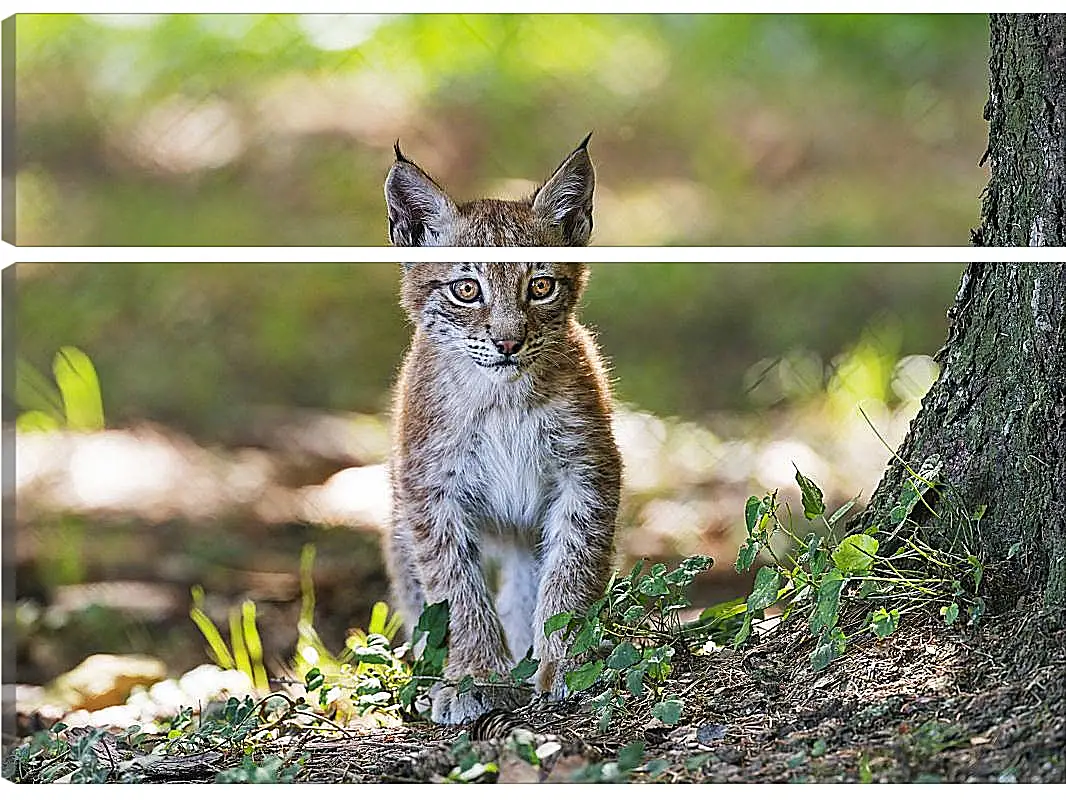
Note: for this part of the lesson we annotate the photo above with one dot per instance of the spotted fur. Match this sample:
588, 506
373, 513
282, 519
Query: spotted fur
503, 463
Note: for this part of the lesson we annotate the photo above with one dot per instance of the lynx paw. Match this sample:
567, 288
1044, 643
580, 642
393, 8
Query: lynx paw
452, 708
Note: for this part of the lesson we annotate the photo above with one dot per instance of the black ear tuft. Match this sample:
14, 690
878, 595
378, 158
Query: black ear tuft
418, 208
565, 199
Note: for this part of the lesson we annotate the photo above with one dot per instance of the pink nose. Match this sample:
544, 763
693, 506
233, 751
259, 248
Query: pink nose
508, 346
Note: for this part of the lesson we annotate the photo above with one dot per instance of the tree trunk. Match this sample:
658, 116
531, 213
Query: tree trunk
1026, 113
996, 417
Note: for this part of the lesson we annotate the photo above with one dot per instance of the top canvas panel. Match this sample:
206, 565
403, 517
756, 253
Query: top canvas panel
707, 129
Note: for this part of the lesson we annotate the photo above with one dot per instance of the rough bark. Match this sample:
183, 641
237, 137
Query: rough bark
997, 414
997, 419
1026, 113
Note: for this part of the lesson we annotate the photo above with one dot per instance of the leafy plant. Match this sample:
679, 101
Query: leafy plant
48, 757
245, 652
73, 402
629, 758
892, 568
271, 769
366, 677
363, 679
628, 637
624, 643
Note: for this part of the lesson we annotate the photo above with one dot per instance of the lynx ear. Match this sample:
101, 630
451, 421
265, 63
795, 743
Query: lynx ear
566, 197
419, 210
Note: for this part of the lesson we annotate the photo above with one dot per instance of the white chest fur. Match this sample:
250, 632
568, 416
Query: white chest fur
511, 470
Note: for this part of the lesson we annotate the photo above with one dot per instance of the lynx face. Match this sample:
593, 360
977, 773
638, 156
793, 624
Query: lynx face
501, 316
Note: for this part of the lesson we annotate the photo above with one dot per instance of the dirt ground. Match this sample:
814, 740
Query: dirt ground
928, 704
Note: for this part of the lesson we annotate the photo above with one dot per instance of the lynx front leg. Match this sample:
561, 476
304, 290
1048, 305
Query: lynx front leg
578, 547
407, 595
449, 566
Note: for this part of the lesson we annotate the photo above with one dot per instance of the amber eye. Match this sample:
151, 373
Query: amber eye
541, 287
466, 290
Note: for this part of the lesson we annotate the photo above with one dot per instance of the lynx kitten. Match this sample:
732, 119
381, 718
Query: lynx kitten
503, 463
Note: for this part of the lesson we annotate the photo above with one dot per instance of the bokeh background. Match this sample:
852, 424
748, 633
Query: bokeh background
709, 129
214, 419
226, 415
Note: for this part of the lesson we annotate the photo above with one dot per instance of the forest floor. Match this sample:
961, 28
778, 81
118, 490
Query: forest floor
927, 704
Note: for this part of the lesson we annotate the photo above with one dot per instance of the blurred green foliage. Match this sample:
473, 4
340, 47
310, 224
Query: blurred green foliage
197, 346
709, 129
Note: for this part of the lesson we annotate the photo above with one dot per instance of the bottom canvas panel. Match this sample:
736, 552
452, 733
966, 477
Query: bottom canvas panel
199, 504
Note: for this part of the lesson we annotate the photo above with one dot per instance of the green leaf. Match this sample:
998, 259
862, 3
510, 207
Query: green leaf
827, 601
633, 613
603, 699
588, 637
978, 572
635, 681
693, 763
79, 388
653, 586
433, 621
746, 557
752, 509
813, 504
830, 646
764, 593
637, 569
314, 679
37, 422
950, 613
583, 677
524, 669
914, 488
884, 623
744, 632
379, 616
840, 512
465, 684
868, 587
818, 563
657, 766
855, 554
623, 656
687, 571
368, 655
557, 622
725, 610
668, 711
630, 756
33, 391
